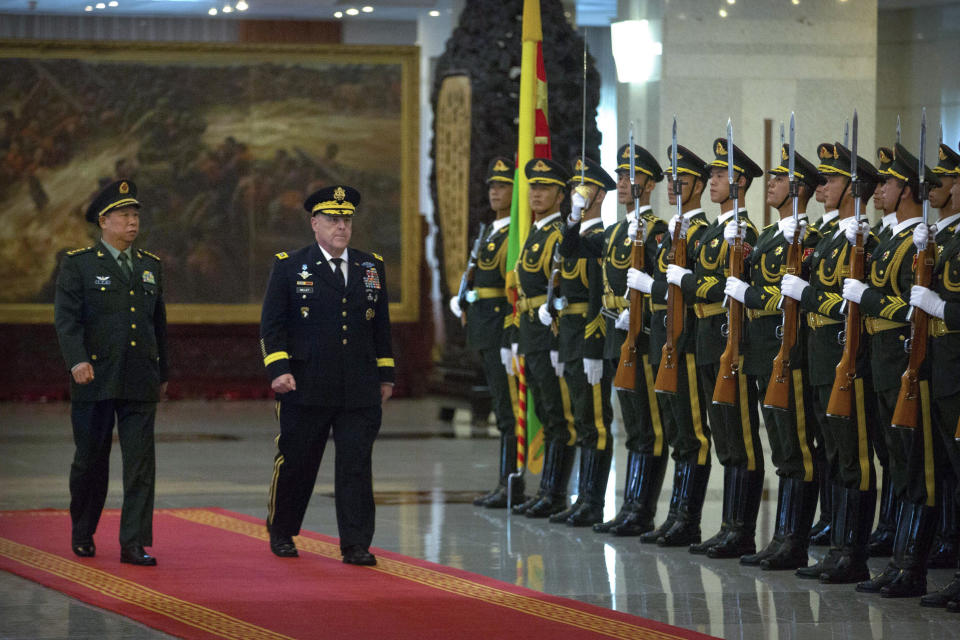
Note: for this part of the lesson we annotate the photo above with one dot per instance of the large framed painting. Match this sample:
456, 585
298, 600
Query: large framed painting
223, 142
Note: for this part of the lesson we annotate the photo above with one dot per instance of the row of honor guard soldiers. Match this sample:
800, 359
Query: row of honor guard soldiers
575, 282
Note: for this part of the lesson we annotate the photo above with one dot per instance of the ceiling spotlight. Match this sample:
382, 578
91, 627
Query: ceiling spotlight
367, 9
731, 1
88, 8
242, 6
795, 1
338, 15
212, 11
434, 14
227, 8
352, 12
723, 13
113, 3
100, 5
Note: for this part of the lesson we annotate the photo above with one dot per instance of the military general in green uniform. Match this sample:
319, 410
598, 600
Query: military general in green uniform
112, 325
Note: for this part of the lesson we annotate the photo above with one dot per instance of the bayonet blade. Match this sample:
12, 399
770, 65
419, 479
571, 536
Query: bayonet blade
781, 135
791, 164
853, 149
923, 144
583, 132
846, 134
898, 128
729, 151
673, 150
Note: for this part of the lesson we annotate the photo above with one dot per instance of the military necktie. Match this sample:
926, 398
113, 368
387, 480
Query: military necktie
336, 267
125, 265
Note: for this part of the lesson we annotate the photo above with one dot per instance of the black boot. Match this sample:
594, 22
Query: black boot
820, 532
726, 514
653, 536
630, 485
561, 516
554, 485
858, 509
829, 561
779, 532
911, 581
947, 594
900, 531
944, 553
497, 499
598, 470
640, 519
551, 458
693, 491
881, 540
800, 500
746, 505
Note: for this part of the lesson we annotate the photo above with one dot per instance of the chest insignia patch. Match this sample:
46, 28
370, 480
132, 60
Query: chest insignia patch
304, 274
370, 313
886, 254
778, 251
491, 246
834, 254
304, 311
149, 278
103, 281
371, 279
714, 243
626, 241
535, 247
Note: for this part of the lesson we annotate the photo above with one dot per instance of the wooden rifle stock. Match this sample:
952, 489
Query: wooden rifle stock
725, 390
667, 375
626, 376
907, 412
778, 389
841, 395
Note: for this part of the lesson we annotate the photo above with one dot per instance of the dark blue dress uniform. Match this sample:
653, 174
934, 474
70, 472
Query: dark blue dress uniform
335, 341
116, 322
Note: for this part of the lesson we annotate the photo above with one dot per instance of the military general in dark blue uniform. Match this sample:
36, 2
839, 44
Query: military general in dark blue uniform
112, 325
325, 341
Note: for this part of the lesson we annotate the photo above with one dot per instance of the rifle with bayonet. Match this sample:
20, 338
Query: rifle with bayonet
726, 391
907, 412
668, 373
630, 358
841, 395
466, 280
778, 389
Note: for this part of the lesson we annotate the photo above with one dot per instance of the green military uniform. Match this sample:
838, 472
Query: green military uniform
580, 274
551, 400
688, 433
849, 449
790, 433
113, 317
488, 316
735, 428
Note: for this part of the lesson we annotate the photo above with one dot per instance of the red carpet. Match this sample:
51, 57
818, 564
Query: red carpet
217, 579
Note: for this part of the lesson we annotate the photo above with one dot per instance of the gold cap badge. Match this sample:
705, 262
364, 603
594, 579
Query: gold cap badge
825, 151
783, 154
541, 166
580, 163
943, 156
124, 188
499, 166
721, 150
339, 194
883, 157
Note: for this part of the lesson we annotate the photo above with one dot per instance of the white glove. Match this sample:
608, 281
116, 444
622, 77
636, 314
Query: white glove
853, 290
736, 288
577, 204
639, 280
921, 235
792, 286
455, 306
929, 301
672, 225
506, 357
559, 369
555, 363
544, 315
850, 229
730, 231
675, 274
593, 368
623, 320
632, 227
789, 228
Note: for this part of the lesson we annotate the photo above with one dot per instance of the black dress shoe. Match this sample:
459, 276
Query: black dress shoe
134, 554
358, 555
283, 547
945, 595
84, 549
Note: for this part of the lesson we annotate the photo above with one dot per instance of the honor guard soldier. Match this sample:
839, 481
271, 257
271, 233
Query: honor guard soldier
887, 218
685, 410
112, 326
325, 339
487, 315
883, 299
790, 434
849, 448
735, 428
942, 302
577, 307
538, 344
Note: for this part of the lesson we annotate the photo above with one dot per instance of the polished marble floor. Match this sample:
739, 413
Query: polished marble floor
426, 471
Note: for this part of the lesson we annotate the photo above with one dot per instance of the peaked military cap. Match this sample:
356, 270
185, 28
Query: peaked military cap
338, 200
500, 170
948, 162
803, 169
840, 166
827, 156
741, 161
546, 171
593, 173
906, 167
122, 193
688, 162
884, 160
643, 161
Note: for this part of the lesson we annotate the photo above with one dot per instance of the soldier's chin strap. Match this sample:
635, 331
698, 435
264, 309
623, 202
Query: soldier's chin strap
784, 201
736, 178
900, 197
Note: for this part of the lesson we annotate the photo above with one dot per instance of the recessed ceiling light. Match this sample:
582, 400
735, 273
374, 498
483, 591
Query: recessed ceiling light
113, 3
352, 12
367, 9
212, 11
227, 8
100, 5
242, 6
723, 13
731, 1
88, 8
338, 15
434, 14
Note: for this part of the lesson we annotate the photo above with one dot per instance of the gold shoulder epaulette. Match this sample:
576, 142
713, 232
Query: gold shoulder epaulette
152, 255
75, 252
377, 256
283, 255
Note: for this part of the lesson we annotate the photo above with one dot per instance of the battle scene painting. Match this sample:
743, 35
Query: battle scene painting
223, 150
